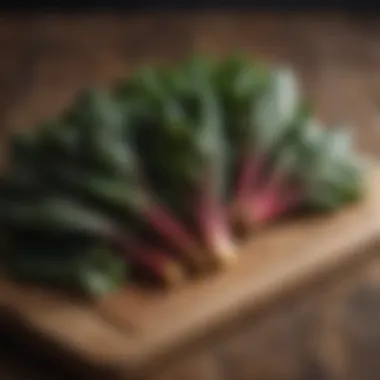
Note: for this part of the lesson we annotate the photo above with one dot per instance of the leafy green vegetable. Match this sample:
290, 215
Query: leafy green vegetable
156, 173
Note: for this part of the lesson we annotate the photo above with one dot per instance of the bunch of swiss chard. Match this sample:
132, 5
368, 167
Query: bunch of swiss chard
156, 176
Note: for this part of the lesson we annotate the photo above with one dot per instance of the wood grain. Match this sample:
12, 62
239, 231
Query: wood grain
46, 58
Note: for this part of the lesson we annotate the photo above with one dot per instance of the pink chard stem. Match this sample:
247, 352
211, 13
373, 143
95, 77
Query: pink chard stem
272, 202
214, 226
249, 170
168, 227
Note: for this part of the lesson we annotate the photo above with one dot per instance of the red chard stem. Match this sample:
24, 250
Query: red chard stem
167, 226
172, 230
155, 261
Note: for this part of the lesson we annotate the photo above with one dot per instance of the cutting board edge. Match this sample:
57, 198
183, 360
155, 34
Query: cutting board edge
133, 360
122, 365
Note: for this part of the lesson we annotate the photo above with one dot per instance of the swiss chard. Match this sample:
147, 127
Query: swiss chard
148, 170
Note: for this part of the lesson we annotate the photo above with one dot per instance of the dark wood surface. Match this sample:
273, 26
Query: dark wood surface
332, 334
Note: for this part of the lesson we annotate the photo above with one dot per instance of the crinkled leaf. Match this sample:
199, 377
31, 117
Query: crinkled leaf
209, 127
56, 139
238, 80
329, 168
102, 273
56, 215
116, 192
100, 120
239, 84
92, 270
276, 109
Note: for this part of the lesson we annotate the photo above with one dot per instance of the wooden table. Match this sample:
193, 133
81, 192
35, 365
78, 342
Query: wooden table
332, 332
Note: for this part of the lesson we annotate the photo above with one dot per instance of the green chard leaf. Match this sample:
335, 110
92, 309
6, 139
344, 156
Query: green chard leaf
55, 215
239, 85
93, 270
276, 109
100, 119
329, 167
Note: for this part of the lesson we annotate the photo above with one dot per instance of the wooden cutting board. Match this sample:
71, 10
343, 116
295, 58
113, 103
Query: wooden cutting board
132, 330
